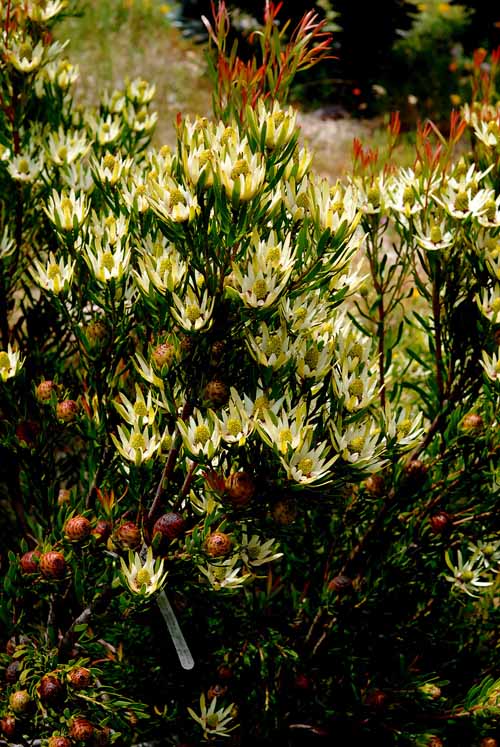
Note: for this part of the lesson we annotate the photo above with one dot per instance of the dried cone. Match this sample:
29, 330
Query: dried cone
284, 512
27, 432
8, 726
29, 562
240, 488
44, 390
59, 742
488, 742
63, 496
79, 677
81, 729
416, 473
96, 333
170, 526
435, 742
216, 691
50, 689
20, 701
101, 737
376, 699
13, 670
67, 410
53, 564
218, 544
163, 355
340, 584
302, 682
472, 422
102, 530
217, 351
440, 522
77, 528
375, 485
128, 535
217, 393
224, 672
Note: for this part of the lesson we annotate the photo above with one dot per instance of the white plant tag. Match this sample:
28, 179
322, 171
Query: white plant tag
183, 652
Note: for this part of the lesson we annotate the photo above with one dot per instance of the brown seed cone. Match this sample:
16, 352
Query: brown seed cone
67, 410
488, 742
472, 422
13, 670
218, 544
96, 333
217, 351
128, 535
20, 701
79, 677
224, 672
27, 432
240, 488
163, 354
216, 392
53, 564
340, 584
171, 525
284, 511
29, 562
415, 473
101, 737
81, 729
44, 390
8, 726
59, 742
375, 485
376, 699
440, 522
216, 691
435, 742
77, 528
50, 689
102, 530
132, 718
302, 682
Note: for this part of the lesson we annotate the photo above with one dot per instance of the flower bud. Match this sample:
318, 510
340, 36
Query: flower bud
44, 390
20, 701
67, 410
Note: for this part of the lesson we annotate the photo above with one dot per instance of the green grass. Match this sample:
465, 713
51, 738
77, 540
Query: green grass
113, 40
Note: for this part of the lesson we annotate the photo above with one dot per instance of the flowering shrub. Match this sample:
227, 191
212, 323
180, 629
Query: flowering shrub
242, 433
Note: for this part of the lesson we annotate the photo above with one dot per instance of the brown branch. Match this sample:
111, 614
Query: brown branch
169, 465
